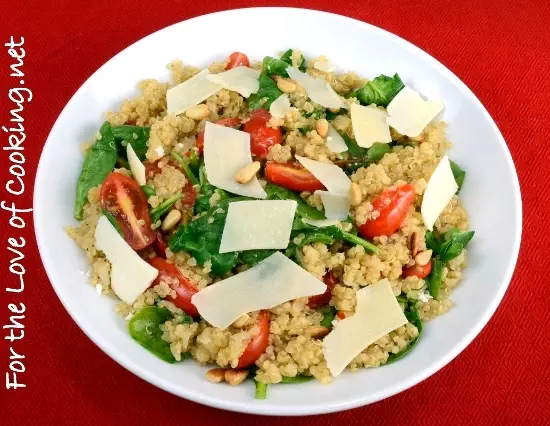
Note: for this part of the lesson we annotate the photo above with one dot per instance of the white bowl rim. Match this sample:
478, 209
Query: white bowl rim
310, 409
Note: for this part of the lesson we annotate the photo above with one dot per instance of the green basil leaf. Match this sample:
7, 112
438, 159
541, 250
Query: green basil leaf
379, 91
99, 162
144, 327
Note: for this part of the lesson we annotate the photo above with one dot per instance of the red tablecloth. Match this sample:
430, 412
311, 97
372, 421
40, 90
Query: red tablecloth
500, 49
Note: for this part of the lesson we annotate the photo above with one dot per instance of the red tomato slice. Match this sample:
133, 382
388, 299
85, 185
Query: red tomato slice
258, 344
227, 122
319, 300
292, 177
392, 206
159, 245
237, 59
417, 271
261, 137
121, 196
184, 290
189, 194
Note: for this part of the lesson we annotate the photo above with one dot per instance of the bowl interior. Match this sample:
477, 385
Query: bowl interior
355, 46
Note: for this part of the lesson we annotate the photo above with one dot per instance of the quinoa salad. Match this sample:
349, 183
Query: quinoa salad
278, 221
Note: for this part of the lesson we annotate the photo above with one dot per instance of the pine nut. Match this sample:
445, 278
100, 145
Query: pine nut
285, 85
216, 375
414, 243
418, 138
354, 194
246, 174
322, 127
171, 220
317, 331
423, 257
239, 322
235, 377
198, 112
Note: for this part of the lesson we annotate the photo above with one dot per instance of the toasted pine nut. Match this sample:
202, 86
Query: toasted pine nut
216, 375
423, 257
354, 194
171, 220
322, 127
285, 85
317, 331
235, 377
334, 110
239, 322
414, 243
246, 174
198, 112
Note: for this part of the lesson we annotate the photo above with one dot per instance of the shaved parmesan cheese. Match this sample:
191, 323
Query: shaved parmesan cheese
323, 64
377, 314
226, 151
409, 114
257, 224
190, 93
440, 190
136, 167
271, 282
321, 223
335, 141
280, 106
369, 125
336, 206
130, 274
318, 90
242, 80
330, 175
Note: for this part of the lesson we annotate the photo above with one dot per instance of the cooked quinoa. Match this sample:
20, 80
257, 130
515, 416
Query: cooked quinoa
294, 346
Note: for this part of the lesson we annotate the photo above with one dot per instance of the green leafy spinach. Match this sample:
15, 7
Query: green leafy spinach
412, 316
287, 57
275, 192
274, 66
379, 91
144, 327
99, 162
458, 174
265, 96
137, 136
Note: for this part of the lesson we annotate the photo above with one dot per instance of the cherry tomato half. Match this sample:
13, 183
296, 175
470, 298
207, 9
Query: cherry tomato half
258, 344
123, 198
184, 289
261, 137
189, 194
392, 206
237, 59
292, 177
417, 271
319, 300
159, 245
227, 122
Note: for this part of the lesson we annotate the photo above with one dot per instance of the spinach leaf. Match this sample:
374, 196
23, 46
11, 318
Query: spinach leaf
433, 241
268, 91
354, 150
112, 220
144, 327
148, 190
202, 239
163, 207
315, 114
275, 192
412, 316
99, 162
185, 166
379, 91
261, 390
459, 175
274, 66
138, 142
202, 203
253, 257
329, 313
434, 279
455, 242
354, 239
332, 115
295, 380
287, 57
377, 151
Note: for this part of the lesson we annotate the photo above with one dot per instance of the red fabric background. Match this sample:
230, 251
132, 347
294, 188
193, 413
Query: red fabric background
499, 49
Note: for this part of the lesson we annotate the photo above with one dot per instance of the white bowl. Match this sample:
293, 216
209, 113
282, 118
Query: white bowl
491, 195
